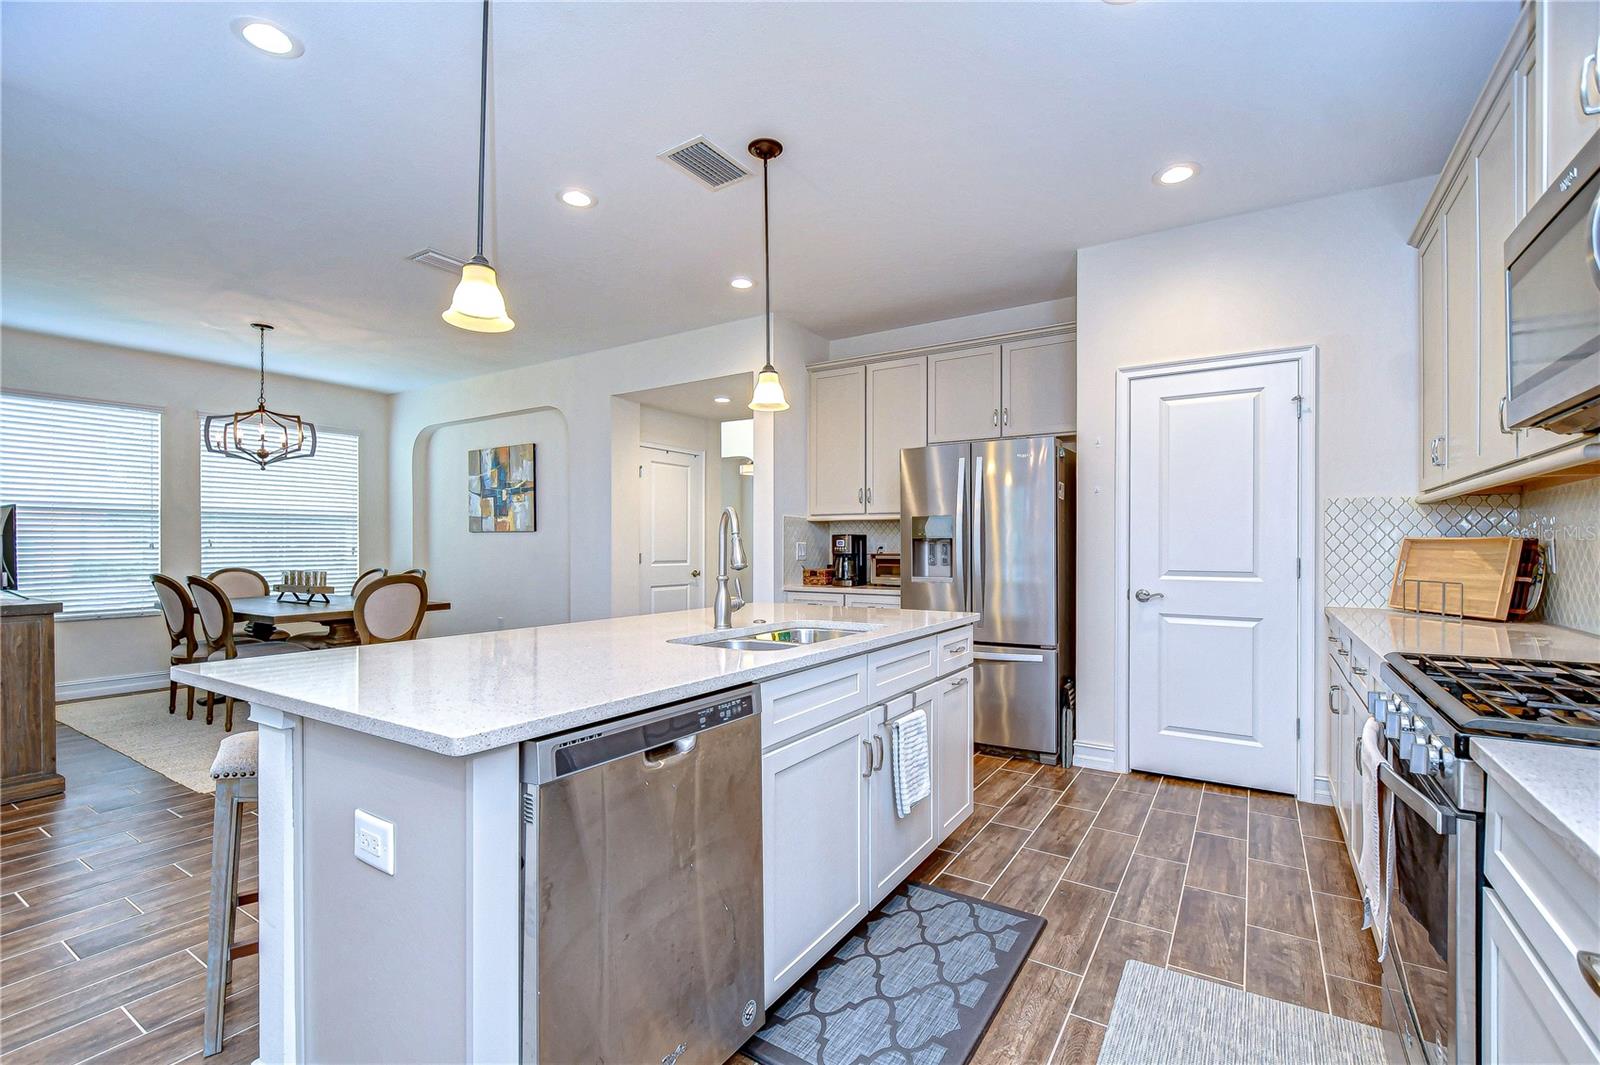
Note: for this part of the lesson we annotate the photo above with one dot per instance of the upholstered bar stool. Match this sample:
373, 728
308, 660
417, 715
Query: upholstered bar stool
234, 771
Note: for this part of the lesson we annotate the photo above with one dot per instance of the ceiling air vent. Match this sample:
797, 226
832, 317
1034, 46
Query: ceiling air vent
431, 257
706, 163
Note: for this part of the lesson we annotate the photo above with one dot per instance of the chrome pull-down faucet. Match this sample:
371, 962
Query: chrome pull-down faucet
726, 604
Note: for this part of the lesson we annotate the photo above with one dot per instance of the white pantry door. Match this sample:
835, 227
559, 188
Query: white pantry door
1213, 524
671, 530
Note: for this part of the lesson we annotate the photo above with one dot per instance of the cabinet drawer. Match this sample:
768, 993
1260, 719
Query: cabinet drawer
897, 669
871, 601
955, 651
815, 598
1550, 896
798, 703
1525, 1015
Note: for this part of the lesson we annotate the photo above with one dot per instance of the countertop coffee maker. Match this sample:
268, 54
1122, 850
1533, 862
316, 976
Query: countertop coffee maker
849, 559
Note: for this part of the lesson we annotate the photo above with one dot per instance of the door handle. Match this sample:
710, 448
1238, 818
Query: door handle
1586, 83
1005, 415
869, 495
1004, 656
1501, 414
867, 772
1144, 595
861, 495
1333, 690
996, 416
979, 563
1589, 965
877, 750
694, 573
1441, 821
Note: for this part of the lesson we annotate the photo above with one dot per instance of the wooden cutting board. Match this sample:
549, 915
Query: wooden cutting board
1484, 567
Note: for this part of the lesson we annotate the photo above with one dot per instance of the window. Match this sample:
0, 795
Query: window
300, 514
86, 481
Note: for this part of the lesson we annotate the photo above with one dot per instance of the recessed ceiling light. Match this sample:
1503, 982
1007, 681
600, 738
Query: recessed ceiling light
742, 283
721, 399
266, 37
1177, 173
577, 198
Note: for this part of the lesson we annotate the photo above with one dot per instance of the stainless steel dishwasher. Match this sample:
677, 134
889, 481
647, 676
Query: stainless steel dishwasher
642, 887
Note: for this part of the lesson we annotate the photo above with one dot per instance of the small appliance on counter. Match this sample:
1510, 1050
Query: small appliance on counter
883, 568
849, 559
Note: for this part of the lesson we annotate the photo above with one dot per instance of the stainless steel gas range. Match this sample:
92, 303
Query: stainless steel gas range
1434, 707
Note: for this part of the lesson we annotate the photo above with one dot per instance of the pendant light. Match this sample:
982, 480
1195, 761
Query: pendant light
769, 390
260, 436
477, 304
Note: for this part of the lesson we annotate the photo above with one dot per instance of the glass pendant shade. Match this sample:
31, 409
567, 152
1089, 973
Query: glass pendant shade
477, 304
769, 391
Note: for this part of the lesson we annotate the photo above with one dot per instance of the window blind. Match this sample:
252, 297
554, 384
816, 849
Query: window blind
300, 514
86, 481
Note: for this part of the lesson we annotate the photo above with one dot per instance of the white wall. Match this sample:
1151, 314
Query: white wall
602, 436
954, 330
1336, 273
92, 655
488, 577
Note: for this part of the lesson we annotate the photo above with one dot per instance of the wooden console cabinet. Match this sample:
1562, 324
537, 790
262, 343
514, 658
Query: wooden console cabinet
28, 699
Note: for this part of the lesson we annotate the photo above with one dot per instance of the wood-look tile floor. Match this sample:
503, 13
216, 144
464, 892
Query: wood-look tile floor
103, 897
1248, 888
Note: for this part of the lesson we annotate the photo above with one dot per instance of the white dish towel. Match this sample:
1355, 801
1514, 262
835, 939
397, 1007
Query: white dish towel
1377, 853
908, 755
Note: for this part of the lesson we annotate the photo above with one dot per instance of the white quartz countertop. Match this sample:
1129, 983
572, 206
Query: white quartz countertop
1559, 785
1387, 631
459, 695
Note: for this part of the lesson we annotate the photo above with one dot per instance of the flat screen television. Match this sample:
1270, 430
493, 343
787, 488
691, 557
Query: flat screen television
8, 546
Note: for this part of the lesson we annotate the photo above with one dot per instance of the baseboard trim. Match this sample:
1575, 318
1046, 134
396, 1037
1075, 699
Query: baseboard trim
1321, 791
1094, 756
76, 691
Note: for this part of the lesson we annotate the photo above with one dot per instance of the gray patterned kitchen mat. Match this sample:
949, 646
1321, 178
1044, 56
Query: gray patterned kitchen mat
916, 983
1177, 1019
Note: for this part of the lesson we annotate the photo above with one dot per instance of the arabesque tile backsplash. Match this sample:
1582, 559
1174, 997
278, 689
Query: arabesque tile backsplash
1362, 534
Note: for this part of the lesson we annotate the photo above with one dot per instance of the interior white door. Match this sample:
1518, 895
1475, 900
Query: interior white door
671, 530
1213, 471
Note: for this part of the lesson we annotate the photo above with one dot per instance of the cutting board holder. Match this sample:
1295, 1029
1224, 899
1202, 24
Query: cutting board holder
1494, 578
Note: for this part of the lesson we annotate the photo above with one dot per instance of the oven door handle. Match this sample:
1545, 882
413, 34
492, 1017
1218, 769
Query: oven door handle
1441, 821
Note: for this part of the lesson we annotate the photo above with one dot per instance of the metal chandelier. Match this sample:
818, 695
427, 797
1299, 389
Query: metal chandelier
260, 436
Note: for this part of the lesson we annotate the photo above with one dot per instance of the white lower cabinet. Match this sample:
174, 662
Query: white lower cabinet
1526, 1018
897, 843
815, 828
950, 743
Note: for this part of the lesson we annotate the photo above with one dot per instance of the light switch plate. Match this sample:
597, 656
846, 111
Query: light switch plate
800, 551
375, 842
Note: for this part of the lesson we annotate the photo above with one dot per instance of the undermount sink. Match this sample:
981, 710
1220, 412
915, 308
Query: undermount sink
777, 639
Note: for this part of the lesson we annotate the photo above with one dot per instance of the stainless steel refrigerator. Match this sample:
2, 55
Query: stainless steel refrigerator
987, 526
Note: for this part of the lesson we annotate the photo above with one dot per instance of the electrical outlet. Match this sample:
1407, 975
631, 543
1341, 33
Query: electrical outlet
375, 842
799, 550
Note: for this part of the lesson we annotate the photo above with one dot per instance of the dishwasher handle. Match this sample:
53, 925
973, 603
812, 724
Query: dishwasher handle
668, 753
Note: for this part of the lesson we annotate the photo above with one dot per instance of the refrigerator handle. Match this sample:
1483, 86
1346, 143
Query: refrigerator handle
958, 550
975, 603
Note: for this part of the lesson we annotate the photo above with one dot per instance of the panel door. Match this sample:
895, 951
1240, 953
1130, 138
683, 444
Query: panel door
952, 751
897, 418
1213, 533
1498, 211
815, 826
1431, 330
1568, 32
1349, 736
1335, 728
898, 844
671, 530
1039, 386
1525, 1015
1461, 327
964, 394
838, 473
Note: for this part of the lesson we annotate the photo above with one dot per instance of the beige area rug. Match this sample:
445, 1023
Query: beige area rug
140, 727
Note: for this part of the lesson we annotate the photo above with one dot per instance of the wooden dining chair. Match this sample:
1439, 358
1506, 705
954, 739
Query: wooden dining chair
214, 609
177, 611
241, 582
419, 572
390, 609
367, 578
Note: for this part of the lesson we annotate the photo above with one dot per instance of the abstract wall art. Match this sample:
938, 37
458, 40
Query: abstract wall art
501, 494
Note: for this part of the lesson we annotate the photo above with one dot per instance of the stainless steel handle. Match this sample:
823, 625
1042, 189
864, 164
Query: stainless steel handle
867, 772
869, 495
1441, 821
1433, 451
877, 748
996, 416
1594, 241
1587, 80
1144, 595
1501, 414
1344, 652
667, 753
1333, 705
1005, 415
958, 682
861, 495
1589, 965
979, 577
1359, 671
1004, 656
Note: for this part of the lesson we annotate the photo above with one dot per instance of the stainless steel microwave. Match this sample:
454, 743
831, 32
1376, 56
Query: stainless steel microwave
1553, 304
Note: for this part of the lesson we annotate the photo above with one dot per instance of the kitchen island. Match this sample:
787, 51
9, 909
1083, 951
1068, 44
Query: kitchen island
433, 736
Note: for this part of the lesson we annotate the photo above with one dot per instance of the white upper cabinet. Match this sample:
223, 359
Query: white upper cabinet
1039, 386
964, 394
1431, 330
838, 445
1568, 33
1461, 326
1496, 160
897, 418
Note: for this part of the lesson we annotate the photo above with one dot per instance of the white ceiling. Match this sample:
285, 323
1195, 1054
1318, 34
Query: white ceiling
164, 185
698, 399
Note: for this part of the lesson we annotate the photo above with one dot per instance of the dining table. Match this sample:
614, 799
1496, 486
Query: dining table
265, 613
